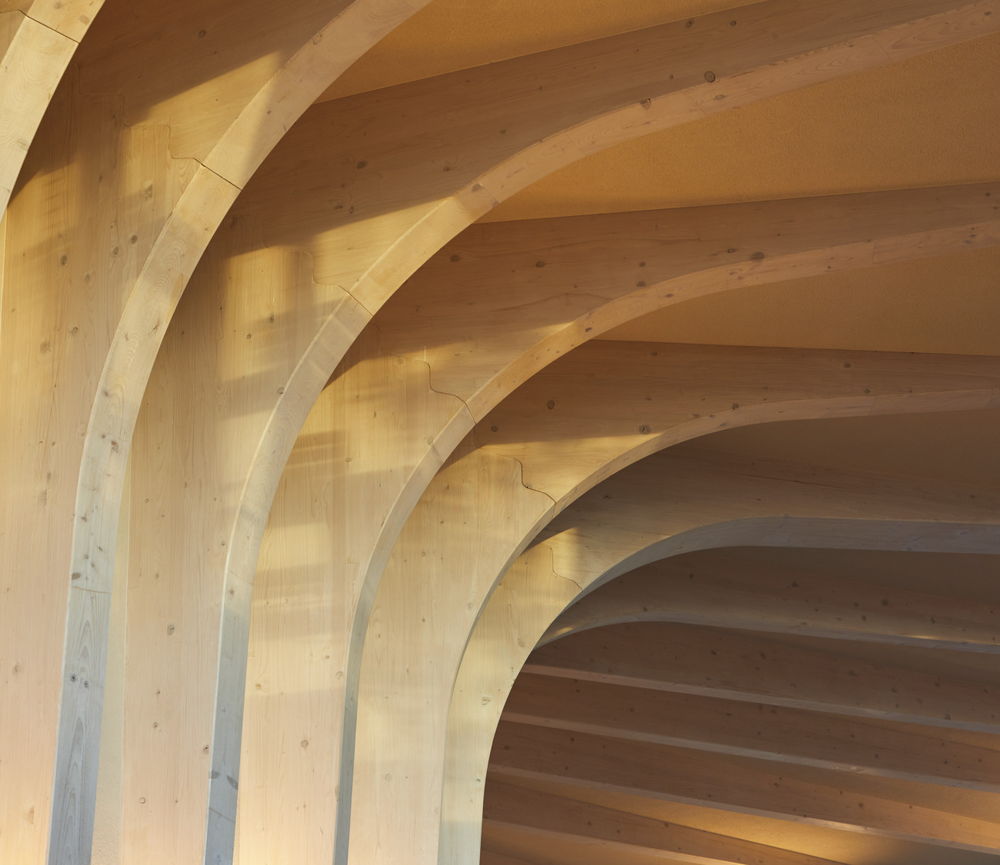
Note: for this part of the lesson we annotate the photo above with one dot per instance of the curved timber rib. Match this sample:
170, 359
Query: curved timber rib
740, 591
664, 506
127, 179
482, 316
359, 194
566, 429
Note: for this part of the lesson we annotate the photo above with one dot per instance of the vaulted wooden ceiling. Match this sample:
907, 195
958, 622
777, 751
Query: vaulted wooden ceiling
355, 354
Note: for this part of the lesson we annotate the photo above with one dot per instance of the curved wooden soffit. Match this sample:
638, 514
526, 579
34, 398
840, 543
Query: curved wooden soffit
182, 165
583, 418
359, 194
37, 41
781, 671
669, 505
514, 316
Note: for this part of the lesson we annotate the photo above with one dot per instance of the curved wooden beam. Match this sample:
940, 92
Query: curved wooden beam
365, 189
583, 418
737, 590
618, 831
908, 685
897, 809
127, 179
487, 286
582, 844
37, 41
742, 728
664, 506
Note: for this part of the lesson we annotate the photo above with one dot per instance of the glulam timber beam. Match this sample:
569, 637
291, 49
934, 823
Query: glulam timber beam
410, 388
503, 300
125, 182
738, 591
821, 842
668, 505
566, 429
741, 728
908, 810
807, 673
613, 402
481, 317
619, 832
365, 189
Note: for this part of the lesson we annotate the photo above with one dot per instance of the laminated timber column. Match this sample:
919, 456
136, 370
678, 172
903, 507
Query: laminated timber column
669, 505
358, 196
467, 329
583, 418
162, 117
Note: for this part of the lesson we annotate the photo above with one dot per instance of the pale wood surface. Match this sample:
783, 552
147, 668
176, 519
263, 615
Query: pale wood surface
156, 116
114, 211
410, 191
469, 523
629, 520
740, 591
744, 728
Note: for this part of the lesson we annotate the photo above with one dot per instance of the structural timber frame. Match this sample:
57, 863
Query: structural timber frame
256, 339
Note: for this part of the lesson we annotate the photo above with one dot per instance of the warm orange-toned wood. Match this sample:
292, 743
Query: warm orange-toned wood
161, 118
905, 684
618, 831
33, 57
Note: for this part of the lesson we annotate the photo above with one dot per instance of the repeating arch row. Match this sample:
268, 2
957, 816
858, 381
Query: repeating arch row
754, 664
295, 290
666, 506
144, 168
326, 233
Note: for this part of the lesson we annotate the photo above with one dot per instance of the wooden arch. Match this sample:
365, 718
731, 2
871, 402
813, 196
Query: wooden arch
37, 40
583, 418
138, 221
357, 196
434, 393
734, 645
666, 506
161, 156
